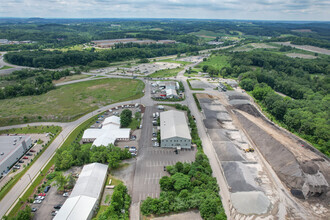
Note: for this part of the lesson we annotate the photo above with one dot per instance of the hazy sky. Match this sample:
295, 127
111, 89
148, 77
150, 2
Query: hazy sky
221, 9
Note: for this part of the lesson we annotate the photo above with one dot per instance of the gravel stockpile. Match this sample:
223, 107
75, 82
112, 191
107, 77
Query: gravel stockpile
218, 135
227, 151
213, 107
236, 95
212, 124
205, 100
222, 116
247, 203
280, 158
246, 107
239, 177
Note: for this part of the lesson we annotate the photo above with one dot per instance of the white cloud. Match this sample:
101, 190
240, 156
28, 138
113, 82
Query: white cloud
221, 9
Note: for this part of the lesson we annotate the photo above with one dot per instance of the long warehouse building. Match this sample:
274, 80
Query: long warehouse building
11, 149
174, 130
86, 194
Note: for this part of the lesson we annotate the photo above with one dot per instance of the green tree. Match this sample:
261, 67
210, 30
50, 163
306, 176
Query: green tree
61, 181
166, 183
125, 118
181, 181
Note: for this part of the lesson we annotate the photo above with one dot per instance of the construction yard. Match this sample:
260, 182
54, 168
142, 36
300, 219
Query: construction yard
276, 173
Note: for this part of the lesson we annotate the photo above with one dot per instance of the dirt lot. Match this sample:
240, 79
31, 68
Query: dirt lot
306, 47
300, 55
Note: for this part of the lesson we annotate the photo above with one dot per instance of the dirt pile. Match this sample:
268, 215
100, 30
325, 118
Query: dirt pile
303, 178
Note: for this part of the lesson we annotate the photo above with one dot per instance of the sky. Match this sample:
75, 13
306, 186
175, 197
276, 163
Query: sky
304, 10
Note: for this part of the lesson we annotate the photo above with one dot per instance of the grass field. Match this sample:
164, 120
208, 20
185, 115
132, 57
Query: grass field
217, 61
32, 130
174, 61
166, 73
6, 67
70, 78
69, 102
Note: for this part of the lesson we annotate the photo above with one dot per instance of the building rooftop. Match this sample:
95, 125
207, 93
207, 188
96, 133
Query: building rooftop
109, 132
173, 124
85, 193
8, 145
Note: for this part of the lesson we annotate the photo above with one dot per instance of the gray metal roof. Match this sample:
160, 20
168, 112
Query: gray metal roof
9, 144
90, 181
173, 124
85, 194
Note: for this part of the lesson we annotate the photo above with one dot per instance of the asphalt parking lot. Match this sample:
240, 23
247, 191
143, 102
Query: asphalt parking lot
44, 210
151, 161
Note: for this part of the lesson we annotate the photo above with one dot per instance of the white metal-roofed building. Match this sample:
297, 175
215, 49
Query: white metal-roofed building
85, 195
11, 149
174, 130
108, 134
171, 93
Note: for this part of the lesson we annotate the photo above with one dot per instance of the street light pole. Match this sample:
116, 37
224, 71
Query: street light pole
30, 178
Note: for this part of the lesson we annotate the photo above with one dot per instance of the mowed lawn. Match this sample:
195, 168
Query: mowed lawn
69, 102
217, 61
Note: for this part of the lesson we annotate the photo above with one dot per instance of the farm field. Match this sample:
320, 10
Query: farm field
68, 102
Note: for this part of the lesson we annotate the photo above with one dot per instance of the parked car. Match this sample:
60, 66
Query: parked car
42, 194
47, 189
21, 161
38, 201
54, 213
25, 158
32, 150
154, 139
40, 198
28, 154
65, 194
33, 209
58, 206
156, 144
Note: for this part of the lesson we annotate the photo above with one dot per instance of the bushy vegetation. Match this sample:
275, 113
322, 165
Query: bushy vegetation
305, 82
77, 155
125, 118
24, 214
190, 186
119, 205
56, 58
30, 82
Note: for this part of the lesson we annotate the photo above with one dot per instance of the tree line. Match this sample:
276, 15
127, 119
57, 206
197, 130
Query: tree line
305, 109
27, 82
56, 59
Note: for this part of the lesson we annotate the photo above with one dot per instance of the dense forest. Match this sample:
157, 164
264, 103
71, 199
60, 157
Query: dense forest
58, 33
305, 109
56, 59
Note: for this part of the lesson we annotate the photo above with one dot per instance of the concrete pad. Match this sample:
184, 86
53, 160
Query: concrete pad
249, 203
